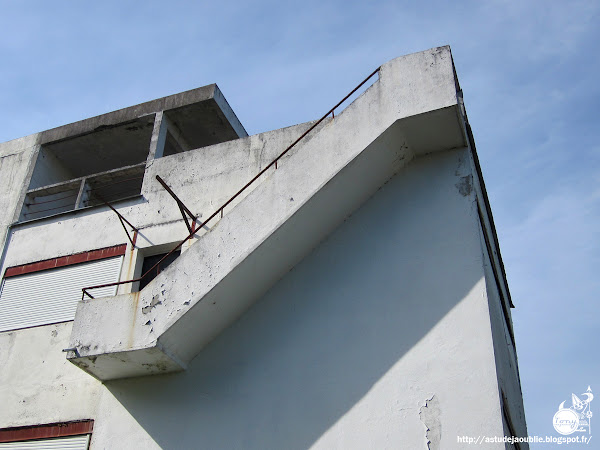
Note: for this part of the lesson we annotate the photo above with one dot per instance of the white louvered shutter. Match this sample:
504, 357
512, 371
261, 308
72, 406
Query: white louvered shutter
62, 443
51, 296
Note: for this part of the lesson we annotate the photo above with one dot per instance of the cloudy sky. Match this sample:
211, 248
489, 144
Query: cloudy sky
529, 71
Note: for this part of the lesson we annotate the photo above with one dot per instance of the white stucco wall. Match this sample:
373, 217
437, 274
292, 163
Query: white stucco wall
16, 158
203, 179
37, 384
505, 353
389, 314
48, 170
382, 330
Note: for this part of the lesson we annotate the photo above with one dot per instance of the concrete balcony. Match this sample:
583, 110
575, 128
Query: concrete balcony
413, 109
92, 190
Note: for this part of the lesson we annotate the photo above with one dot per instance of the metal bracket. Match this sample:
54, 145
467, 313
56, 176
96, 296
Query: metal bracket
123, 221
74, 350
182, 208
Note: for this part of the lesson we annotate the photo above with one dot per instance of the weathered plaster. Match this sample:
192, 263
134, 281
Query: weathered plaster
366, 140
15, 169
202, 178
36, 386
352, 341
384, 332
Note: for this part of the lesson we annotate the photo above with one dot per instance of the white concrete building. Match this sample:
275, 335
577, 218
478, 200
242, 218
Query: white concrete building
352, 296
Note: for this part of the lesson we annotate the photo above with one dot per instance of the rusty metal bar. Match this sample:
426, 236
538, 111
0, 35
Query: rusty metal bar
122, 219
116, 283
117, 213
181, 205
231, 199
185, 218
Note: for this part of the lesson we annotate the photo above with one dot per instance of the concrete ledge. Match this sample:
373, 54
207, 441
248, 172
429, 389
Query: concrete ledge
209, 94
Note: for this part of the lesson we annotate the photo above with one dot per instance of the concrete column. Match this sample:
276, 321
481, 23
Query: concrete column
159, 136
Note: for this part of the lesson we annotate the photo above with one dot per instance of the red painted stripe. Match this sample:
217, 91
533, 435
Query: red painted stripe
52, 430
92, 255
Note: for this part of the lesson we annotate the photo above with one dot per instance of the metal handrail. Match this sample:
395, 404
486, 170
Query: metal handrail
231, 199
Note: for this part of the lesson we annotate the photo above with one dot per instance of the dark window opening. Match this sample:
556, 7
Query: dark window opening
150, 261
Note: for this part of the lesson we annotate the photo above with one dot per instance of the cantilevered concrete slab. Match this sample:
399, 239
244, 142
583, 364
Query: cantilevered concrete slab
412, 109
200, 117
210, 97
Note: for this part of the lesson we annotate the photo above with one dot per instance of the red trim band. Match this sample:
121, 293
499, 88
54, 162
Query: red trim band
92, 255
51, 430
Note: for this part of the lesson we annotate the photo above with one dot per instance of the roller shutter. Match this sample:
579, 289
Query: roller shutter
61, 443
51, 296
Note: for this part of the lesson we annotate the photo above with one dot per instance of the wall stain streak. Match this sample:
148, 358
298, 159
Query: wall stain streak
465, 185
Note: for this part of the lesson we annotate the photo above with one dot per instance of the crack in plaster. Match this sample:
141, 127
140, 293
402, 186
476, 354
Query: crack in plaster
11, 154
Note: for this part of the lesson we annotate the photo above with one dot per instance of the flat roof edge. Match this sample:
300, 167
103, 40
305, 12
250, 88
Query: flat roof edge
130, 113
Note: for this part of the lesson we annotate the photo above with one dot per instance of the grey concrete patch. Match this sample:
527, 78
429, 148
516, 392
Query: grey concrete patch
430, 415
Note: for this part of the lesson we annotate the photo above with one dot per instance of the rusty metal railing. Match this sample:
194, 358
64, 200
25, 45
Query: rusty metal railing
237, 194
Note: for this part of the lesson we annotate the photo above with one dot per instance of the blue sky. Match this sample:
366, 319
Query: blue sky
529, 71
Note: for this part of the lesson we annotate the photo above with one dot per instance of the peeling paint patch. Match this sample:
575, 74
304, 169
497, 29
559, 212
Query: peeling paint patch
155, 301
429, 414
465, 185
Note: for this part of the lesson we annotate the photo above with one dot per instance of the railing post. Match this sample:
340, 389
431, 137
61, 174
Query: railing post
80, 194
